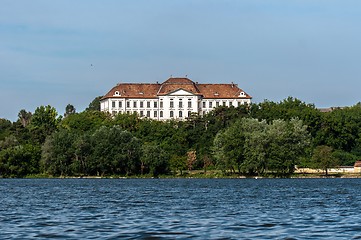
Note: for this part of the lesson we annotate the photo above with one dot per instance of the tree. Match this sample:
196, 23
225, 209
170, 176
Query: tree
69, 110
178, 163
115, 151
154, 159
323, 158
287, 141
9, 141
341, 128
256, 147
24, 117
43, 122
191, 159
58, 153
229, 145
19, 161
94, 105
85, 121
5, 127
206, 162
286, 110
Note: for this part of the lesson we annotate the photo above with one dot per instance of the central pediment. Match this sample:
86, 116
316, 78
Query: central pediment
180, 92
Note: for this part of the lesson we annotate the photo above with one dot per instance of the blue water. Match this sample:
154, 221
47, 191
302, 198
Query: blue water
180, 208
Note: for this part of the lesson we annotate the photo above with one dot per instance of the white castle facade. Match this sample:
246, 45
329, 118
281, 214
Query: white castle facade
176, 98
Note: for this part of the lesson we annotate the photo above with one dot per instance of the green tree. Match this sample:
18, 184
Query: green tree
229, 146
154, 159
116, 151
288, 109
19, 161
178, 163
69, 110
94, 105
5, 128
43, 123
323, 158
256, 144
9, 141
256, 147
341, 128
287, 143
24, 117
58, 153
86, 121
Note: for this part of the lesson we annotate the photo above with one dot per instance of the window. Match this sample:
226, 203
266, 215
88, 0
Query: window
141, 113
180, 114
128, 112
148, 113
239, 104
171, 114
180, 103
114, 113
155, 114
161, 114
120, 105
171, 104
128, 104
189, 113
134, 104
210, 104
134, 112
141, 104
217, 104
161, 104
224, 103
155, 104
148, 104
189, 103
113, 104
204, 104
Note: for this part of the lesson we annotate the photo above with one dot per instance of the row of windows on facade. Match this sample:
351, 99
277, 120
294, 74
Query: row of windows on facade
171, 104
155, 114
155, 104
218, 103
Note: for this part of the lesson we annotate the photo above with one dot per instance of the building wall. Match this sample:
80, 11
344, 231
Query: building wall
167, 107
174, 99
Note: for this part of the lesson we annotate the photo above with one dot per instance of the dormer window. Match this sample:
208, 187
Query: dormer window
242, 94
216, 94
116, 93
141, 93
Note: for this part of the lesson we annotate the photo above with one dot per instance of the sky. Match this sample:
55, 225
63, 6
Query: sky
69, 52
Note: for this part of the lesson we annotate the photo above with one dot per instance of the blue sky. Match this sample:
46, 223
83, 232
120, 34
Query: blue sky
60, 52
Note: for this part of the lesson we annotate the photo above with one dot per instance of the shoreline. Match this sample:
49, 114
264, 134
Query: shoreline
196, 176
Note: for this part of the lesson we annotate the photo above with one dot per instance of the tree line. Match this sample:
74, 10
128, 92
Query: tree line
268, 138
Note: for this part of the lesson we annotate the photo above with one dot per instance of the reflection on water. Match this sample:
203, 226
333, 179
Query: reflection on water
180, 208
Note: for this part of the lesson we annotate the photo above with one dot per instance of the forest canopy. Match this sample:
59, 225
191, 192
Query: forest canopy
268, 138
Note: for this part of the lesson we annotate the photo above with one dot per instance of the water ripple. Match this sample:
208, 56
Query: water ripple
180, 208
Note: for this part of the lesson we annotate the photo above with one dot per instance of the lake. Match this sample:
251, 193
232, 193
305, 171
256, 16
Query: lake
180, 208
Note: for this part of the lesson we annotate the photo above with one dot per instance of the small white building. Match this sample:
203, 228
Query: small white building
176, 98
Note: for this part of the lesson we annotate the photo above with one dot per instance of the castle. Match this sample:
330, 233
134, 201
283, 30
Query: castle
176, 98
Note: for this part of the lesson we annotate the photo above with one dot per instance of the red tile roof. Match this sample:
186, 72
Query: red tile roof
174, 84
222, 91
133, 90
147, 90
